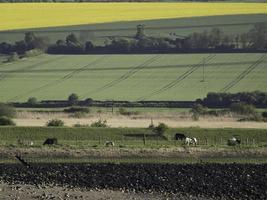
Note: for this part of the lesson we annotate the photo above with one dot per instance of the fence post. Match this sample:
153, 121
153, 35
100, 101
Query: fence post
144, 139
99, 140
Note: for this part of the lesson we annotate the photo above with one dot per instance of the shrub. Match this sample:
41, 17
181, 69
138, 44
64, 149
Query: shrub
88, 101
73, 99
100, 123
199, 109
264, 114
55, 122
7, 110
243, 109
13, 57
5, 121
33, 52
160, 129
32, 101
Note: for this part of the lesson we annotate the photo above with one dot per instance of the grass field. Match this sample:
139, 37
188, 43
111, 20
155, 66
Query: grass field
54, 14
128, 137
131, 77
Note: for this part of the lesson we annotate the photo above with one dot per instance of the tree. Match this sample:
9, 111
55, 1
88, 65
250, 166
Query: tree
5, 48
5, 121
160, 129
72, 40
73, 99
60, 43
120, 45
32, 101
20, 47
7, 110
258, 36
89, 46
215, 37
140, 32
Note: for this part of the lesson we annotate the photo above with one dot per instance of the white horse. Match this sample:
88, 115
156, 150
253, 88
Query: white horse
189, 141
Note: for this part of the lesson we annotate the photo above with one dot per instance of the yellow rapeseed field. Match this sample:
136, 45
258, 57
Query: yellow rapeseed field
33, 15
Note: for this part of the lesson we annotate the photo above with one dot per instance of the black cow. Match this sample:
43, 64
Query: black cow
50, 141
179, 136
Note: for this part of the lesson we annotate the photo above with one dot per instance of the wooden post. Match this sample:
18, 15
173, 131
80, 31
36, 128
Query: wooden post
144, 140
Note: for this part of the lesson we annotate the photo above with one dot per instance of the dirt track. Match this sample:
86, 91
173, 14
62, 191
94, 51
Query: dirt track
143, 120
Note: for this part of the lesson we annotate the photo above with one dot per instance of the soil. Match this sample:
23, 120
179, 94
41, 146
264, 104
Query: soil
199, 181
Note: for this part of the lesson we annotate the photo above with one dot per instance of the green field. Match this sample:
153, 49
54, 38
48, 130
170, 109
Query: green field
99, 33
131, 77
129, 137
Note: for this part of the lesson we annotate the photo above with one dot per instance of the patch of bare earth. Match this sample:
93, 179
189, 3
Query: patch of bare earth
141, 120
175, 152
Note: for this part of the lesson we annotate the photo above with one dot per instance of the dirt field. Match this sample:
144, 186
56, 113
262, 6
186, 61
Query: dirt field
142, 120
139, 181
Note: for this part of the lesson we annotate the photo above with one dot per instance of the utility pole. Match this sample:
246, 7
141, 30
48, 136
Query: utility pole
203, 70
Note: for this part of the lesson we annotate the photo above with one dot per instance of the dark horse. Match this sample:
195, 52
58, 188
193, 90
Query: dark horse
179, 136
50, 141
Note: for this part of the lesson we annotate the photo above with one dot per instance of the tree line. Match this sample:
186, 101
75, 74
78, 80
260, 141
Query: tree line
207, 41
225, 100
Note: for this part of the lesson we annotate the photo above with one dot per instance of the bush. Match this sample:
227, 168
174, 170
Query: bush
55, 122
13, 57
243, 109
5, 121
199, 109
33, 52
73, 99
264, 114
77, 109
32, 101
160, 129
100, 123
7, 110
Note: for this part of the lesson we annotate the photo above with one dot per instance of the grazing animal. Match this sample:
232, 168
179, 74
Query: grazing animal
109, 143
233, 141
179, 136
50, 141
189, 141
